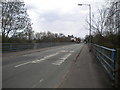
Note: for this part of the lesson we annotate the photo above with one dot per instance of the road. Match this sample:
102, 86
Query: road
42, 69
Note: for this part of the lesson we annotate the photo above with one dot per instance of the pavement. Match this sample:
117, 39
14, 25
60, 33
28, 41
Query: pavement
86, 72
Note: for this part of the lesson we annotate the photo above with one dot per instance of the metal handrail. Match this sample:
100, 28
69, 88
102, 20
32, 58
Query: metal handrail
107, 57
105, 47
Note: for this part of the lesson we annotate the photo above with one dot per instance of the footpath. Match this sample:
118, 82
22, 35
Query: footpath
86, 72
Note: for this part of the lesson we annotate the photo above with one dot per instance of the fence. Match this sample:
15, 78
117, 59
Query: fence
9, 47
107, 58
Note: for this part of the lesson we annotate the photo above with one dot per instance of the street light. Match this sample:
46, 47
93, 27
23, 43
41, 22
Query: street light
89, 18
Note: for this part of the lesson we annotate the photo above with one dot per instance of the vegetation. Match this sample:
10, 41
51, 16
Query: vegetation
106, 26
17, 26
15, 22
51, 37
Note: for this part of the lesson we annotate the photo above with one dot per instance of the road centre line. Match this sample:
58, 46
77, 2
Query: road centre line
38, 60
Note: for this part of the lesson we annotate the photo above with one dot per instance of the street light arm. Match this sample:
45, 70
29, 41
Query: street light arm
83, 4
79, 4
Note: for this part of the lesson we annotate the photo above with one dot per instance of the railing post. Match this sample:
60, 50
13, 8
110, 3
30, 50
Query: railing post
113, 65
113, 58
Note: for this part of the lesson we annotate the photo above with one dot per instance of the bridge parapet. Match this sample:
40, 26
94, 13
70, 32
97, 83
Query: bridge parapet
11, 47
107, 58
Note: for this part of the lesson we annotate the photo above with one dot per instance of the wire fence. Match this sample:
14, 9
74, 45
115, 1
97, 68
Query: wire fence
10, 47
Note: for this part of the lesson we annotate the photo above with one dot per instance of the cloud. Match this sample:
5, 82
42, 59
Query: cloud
61, 16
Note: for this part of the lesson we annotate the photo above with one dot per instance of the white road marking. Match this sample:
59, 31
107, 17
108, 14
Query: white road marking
47, 57
61, 60
38, 60
66, 51
22, 64
41, 80
71, 51
66, 56
58, 62
38, 83
25, 55
51, 55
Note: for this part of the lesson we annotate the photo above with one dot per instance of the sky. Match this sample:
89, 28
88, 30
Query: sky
61, 16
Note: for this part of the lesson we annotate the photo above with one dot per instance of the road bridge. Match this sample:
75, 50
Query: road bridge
67, 66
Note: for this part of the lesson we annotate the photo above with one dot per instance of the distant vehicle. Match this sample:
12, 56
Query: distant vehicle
76, 40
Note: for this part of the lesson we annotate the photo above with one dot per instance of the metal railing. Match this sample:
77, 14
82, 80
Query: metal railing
9, 47
107, 58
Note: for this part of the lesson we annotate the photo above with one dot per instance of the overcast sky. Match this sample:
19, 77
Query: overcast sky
61, 16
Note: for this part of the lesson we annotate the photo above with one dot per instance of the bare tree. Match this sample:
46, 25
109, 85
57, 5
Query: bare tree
98, 21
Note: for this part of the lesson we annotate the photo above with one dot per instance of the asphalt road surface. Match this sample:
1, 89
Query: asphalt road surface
41, 69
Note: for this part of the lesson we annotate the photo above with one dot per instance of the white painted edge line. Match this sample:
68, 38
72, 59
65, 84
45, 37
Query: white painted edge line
41, 80
38, 60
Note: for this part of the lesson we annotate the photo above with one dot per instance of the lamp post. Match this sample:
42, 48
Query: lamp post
89, 19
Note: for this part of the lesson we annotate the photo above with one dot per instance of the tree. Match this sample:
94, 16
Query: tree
51, 37
15, 20
98, 21
105, 25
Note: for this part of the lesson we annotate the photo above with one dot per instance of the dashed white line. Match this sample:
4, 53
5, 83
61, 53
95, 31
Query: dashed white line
22, 64
38, 60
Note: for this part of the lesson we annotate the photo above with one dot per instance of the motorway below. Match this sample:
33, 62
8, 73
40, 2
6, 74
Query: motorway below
44, 68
